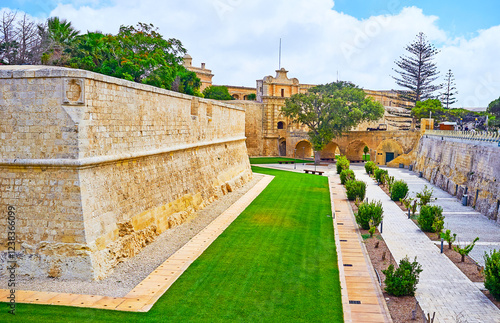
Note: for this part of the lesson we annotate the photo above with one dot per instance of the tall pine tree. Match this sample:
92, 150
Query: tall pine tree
417, 71
448, 95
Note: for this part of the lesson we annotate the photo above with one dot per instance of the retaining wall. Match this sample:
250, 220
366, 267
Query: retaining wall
96, 167
462, 166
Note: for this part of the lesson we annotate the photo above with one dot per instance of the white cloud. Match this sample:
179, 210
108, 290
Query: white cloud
238, 40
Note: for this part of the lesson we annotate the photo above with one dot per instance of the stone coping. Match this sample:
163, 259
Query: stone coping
44, 71
146, 293
90, 161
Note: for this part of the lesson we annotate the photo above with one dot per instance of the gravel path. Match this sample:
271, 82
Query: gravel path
131, 272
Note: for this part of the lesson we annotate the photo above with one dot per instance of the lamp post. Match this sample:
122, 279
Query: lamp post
295, 158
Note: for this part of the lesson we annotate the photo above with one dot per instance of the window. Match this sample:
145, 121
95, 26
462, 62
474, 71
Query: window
282, 93
281, 125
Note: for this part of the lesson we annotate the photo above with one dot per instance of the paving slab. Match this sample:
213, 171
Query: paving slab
442, 288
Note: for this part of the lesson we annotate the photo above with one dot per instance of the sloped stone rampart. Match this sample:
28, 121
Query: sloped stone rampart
96, 167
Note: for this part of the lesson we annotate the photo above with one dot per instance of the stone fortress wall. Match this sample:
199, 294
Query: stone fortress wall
96, 167
461, 167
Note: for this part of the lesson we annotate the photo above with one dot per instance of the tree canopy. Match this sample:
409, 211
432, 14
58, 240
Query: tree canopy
331, 109
423, 109
217, 93
417, 72
494, 110
137, 54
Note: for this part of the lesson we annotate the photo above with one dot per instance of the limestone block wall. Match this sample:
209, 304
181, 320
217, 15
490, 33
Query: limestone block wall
463, 166
97, 167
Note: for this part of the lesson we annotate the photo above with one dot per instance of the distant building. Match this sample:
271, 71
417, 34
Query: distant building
203, 73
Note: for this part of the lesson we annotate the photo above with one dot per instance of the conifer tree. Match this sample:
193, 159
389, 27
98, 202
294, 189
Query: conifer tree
417, 71
448, 95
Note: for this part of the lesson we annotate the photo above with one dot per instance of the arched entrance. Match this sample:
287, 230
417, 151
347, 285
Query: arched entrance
282, 147
304, 149
354, 151
330, 151
387, 150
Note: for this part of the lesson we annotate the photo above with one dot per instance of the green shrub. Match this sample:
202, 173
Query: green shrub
372, 230
425, 196
346, 175
355, 189
399, 190
380, 175
438, 224
402, 281
492, 273
369, 213
390, 180
465, 250
448, 237
342, 163
428, 215
369, 167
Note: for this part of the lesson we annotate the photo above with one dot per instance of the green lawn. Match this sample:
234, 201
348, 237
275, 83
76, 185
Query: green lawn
275, 263
275, 160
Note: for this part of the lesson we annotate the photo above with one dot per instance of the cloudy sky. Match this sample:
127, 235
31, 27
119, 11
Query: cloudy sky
359, 40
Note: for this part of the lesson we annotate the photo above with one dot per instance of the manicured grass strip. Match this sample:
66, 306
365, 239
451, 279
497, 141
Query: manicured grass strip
275, 160
275, 263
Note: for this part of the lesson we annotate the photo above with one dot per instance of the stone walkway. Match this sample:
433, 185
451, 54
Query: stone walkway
362, 298
462, 220
443, 288
146, 293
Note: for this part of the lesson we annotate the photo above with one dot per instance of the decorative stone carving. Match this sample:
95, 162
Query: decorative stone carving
73, 91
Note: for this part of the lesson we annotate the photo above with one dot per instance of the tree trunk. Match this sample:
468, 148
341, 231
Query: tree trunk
449, 245
463, 258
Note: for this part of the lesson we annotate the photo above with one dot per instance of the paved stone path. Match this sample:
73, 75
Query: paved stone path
443, 288
362, 298
147, 292
462, 220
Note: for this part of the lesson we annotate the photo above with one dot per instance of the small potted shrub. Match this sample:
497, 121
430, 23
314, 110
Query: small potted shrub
380, 175
342, 163
402, 281
355, 189
369, 213
399, 190
346, 175
369, 166
492, 273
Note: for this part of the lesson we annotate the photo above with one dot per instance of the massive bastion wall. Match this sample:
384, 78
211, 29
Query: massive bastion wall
461, 167
96, 167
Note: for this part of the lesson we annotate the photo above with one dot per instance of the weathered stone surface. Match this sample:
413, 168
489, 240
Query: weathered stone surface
460, 166
97, 167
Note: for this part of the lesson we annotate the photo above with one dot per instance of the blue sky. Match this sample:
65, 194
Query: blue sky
458, 17
361, 39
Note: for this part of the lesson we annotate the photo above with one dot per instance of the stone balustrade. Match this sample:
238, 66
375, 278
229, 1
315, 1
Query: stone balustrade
487, 136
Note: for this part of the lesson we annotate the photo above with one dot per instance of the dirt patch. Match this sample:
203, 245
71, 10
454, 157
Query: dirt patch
469, 267
400, 308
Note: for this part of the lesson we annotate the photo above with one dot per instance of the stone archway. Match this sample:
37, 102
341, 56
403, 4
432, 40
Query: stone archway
354, 151
388, 150
304, 149
282, 147
330, 151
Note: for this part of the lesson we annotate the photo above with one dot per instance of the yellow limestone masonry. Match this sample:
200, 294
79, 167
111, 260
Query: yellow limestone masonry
97, 167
